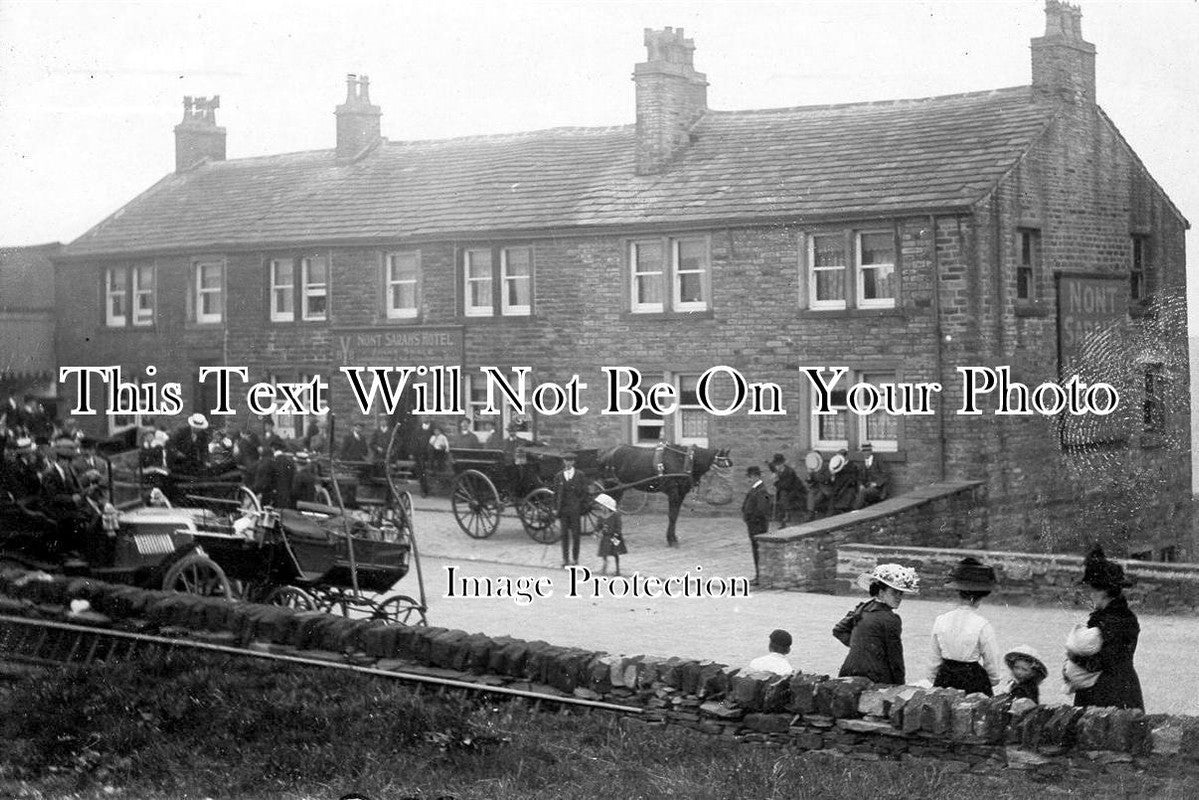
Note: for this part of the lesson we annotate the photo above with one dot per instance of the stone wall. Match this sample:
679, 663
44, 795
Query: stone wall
850, 716
805, 558
1025, 578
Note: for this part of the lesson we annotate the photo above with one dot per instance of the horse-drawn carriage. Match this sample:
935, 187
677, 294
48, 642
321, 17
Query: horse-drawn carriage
220, 541
521, 477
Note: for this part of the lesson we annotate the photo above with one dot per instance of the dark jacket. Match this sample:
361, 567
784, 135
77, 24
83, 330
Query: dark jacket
354, 448
1118, 684
572, 494
873, 632
187, 449
789, 490
755, 509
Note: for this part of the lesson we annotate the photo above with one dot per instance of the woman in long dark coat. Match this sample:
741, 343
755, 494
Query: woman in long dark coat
873, 631
1118, 684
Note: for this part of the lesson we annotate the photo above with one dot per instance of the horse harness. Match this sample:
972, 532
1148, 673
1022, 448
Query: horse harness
688, 458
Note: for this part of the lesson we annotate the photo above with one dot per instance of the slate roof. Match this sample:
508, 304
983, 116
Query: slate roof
852, 160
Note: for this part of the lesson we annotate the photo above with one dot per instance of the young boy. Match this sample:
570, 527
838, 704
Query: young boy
1028, 670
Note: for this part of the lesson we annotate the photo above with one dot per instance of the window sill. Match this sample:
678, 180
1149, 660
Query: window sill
497, 319
1028, 309
848, 313
666, 315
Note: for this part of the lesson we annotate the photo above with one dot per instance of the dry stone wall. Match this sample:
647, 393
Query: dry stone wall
847, 716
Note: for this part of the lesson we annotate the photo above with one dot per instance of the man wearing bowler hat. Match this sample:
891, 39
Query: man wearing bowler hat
755, 511
570, 488
788, 490
874, 479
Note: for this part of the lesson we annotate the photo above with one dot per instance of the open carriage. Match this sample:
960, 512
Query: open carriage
224, 543
519, 477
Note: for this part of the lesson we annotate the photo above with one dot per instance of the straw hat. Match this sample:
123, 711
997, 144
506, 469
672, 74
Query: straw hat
198, 421
1028, 655
898, 577
836, 463
605, 501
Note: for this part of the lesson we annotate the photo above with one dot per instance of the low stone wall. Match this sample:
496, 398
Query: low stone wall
1025, 578
849, 716
804, 558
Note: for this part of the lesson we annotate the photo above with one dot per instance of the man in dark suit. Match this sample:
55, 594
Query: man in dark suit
62, 495
789, 495
187, 449
417, 445
570, 489
354, 447
755, 510
874, 479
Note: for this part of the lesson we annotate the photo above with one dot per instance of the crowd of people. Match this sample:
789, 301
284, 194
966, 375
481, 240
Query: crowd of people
829, 487
965, 654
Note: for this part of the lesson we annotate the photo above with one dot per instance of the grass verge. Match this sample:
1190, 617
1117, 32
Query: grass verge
222, 727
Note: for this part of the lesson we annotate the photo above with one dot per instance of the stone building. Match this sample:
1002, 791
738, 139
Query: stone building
27, 323
900, 240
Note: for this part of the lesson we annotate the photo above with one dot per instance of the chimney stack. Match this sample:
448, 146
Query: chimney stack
197, 137
1063, 64
671, 97
357, 120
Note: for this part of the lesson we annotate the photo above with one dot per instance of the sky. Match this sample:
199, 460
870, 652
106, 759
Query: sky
90, 91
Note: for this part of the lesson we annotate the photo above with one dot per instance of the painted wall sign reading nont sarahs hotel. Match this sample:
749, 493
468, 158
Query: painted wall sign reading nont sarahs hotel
1089, 307
426, 345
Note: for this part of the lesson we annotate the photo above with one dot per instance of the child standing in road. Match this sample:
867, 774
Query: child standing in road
611, 539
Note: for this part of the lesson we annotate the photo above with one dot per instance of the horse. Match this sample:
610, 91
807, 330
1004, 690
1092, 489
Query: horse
672, 470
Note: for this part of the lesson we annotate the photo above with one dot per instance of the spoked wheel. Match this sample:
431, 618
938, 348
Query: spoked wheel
476, 504
589, 519
291, 597
248, 500
400, 610
403, 515
633, 501
198, 574
538, 513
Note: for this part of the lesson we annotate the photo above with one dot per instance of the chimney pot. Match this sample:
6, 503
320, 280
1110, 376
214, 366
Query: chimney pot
671, 97
357, 120
197, 137
1063, 63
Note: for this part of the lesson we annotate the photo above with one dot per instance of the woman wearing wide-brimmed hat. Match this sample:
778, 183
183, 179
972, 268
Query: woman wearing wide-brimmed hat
873, 630
1117, 683
965, 650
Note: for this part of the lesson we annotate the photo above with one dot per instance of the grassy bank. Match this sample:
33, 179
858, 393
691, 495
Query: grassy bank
218, 727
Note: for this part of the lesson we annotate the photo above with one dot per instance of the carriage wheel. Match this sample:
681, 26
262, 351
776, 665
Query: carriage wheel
589, 519
400, 610
404, 515
292, 597
322, 496
633, 501
197, 574
476, 504
538, 513
247, 500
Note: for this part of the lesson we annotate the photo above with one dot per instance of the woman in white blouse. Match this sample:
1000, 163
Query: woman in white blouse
965, 652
